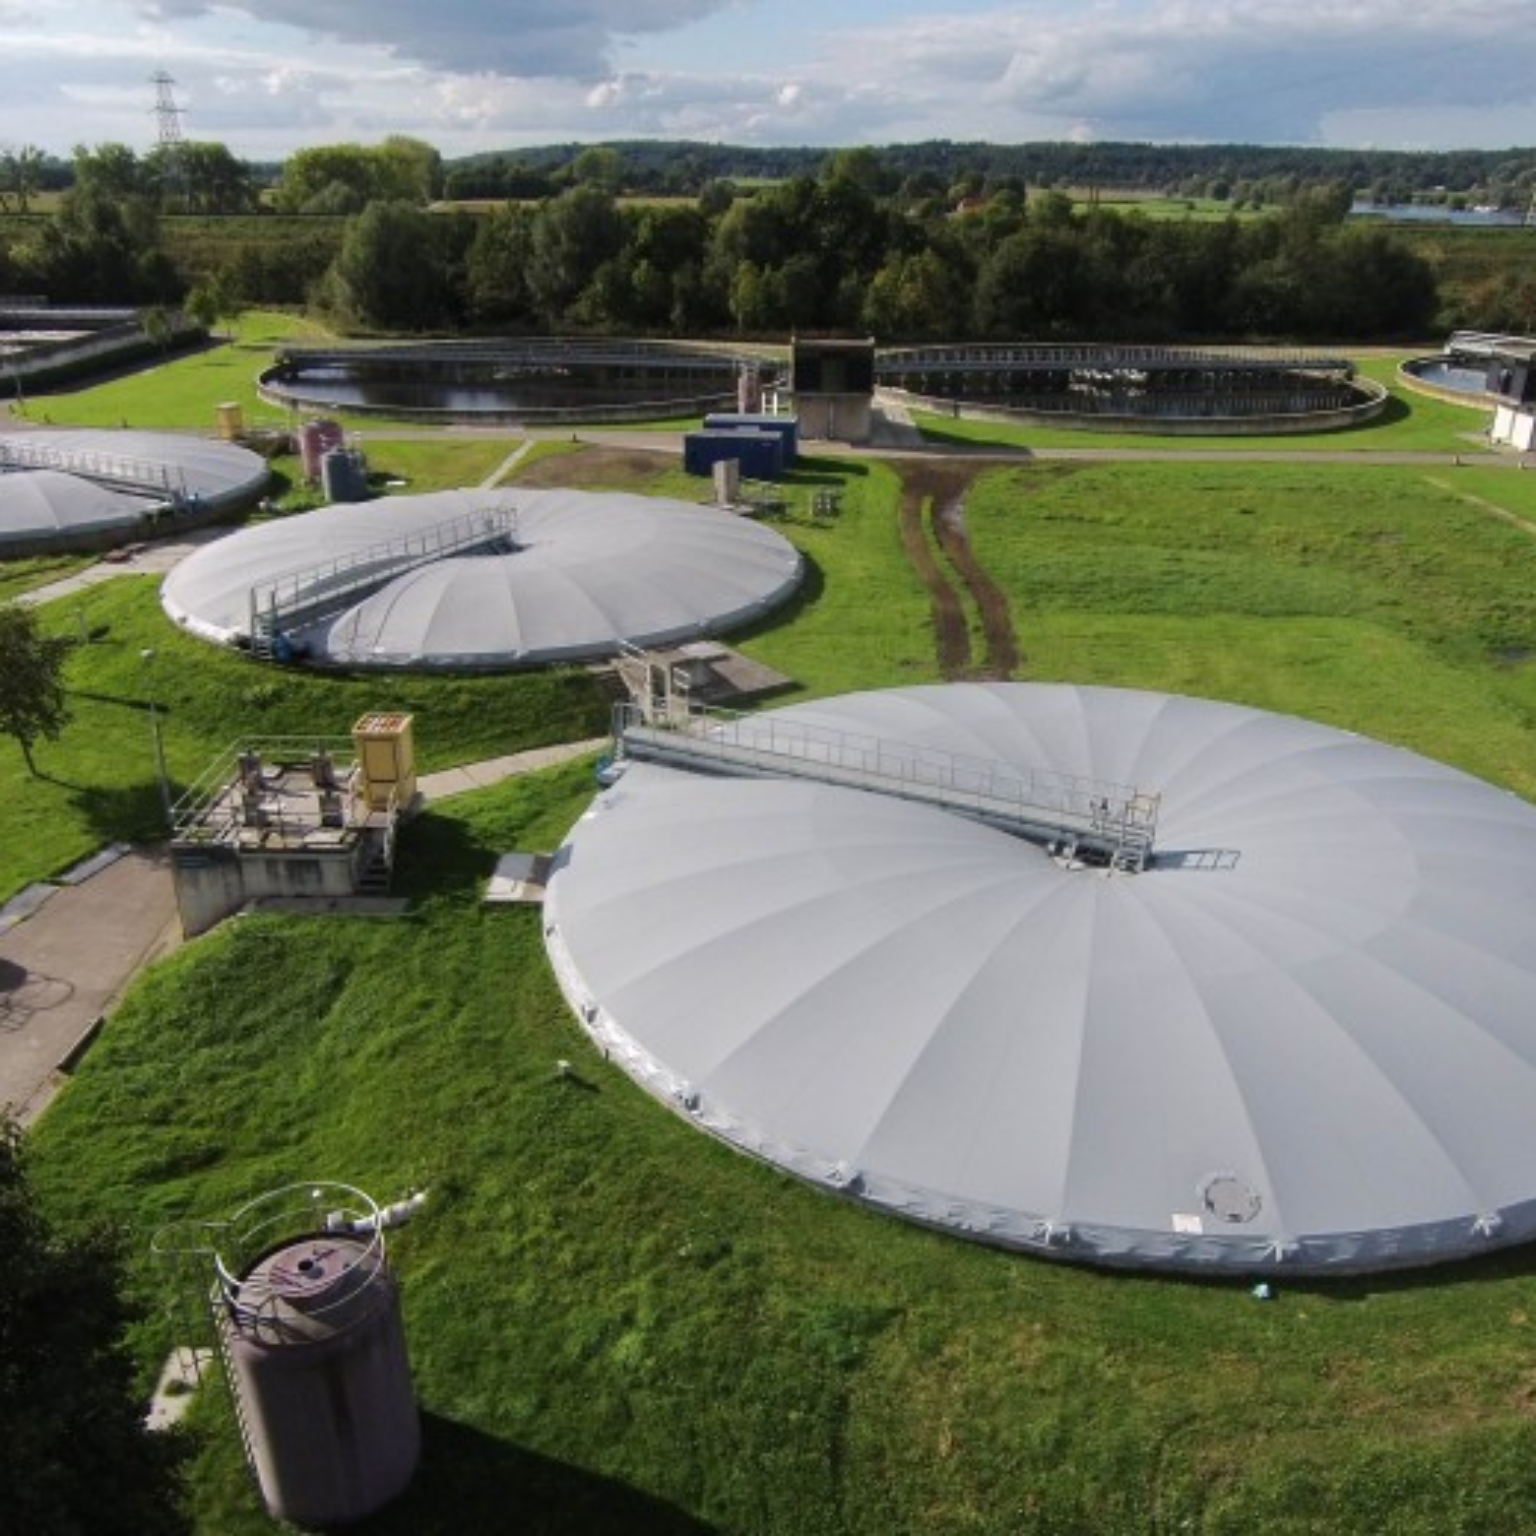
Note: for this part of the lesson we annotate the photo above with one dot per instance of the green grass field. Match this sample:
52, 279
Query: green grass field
619, 1325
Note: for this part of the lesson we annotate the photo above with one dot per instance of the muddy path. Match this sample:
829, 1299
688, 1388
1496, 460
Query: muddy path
938, 489
951, 633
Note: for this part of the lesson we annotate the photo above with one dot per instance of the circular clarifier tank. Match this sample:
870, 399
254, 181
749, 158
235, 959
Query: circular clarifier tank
1302, 1036
486, 580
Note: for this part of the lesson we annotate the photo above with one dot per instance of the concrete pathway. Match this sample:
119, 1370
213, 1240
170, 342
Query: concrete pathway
68, 950
457, 781
63, 969
144, 559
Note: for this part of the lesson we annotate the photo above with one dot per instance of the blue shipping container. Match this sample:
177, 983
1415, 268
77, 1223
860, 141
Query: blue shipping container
760, 454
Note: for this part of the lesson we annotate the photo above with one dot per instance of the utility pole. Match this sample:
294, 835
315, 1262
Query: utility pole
147, 656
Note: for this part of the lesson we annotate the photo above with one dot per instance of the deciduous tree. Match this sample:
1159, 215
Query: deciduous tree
33, 705
78, 1456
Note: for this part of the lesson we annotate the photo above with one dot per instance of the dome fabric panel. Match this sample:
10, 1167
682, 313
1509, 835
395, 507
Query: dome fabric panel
1303, 1037
68, 486
38, 504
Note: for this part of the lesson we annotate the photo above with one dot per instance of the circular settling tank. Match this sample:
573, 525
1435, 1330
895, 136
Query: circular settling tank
1301, 1038
530, 381
1162, 389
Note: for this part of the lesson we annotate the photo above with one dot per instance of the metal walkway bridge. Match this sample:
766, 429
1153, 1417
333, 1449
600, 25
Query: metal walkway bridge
1103, 823
108, 469
897, 362
537, 354
307, 594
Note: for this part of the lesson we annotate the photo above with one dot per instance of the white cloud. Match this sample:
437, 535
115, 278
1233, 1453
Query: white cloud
516, 37
497, 73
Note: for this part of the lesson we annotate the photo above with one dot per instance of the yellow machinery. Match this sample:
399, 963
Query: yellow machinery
386, 757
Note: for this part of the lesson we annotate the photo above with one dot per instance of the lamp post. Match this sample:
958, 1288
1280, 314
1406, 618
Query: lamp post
147, 656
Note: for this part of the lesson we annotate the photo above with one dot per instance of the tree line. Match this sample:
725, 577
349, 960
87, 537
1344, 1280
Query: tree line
855, 246
833, 254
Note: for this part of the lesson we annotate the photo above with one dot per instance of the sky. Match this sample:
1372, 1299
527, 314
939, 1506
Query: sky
477, 75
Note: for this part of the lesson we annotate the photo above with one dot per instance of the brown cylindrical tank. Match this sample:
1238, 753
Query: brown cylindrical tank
316, 439
316, 1352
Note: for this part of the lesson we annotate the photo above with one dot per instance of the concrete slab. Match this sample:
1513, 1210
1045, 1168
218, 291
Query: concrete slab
517, 878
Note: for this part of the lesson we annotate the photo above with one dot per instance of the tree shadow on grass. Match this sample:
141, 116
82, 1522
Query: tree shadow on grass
469, 1482
437, 856
124, 813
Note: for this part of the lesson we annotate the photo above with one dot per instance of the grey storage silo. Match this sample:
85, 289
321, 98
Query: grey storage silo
309, 1323
344, 475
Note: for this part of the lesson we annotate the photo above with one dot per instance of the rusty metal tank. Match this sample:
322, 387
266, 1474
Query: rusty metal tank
309, 1323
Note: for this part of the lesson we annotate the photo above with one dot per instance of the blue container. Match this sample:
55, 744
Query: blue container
788, 427
760, 454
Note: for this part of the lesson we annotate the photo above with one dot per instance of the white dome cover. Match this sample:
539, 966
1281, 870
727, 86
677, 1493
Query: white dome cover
36, 504
589, 571
1304, 1037
49, 490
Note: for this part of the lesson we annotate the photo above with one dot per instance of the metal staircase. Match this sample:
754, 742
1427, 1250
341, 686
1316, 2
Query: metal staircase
1092, 821
307, 594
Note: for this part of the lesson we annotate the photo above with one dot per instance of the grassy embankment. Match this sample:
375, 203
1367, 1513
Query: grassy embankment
618, 1325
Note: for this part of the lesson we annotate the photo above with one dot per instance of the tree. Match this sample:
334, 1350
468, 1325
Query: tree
78, 1456
203, 177
573, 236
214, 297
32, 702
397, 267
20, 172
600, 166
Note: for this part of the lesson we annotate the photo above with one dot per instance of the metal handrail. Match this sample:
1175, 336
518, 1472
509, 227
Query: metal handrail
192, 807
994, 355
325, 586
141, 474
1118, 819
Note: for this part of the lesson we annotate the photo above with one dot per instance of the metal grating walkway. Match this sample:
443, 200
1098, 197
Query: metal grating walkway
1103, 822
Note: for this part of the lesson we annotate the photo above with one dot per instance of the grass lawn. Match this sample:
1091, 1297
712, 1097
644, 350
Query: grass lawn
616, 1324
619, 1325
184, 392
99, 779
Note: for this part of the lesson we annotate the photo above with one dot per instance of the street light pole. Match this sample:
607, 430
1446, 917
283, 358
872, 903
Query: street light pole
147, 656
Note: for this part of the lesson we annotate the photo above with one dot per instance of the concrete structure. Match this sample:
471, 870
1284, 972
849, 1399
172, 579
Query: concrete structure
293, 818
833, 383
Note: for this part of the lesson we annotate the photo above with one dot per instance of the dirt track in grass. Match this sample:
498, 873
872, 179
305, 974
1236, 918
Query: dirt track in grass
937, 489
